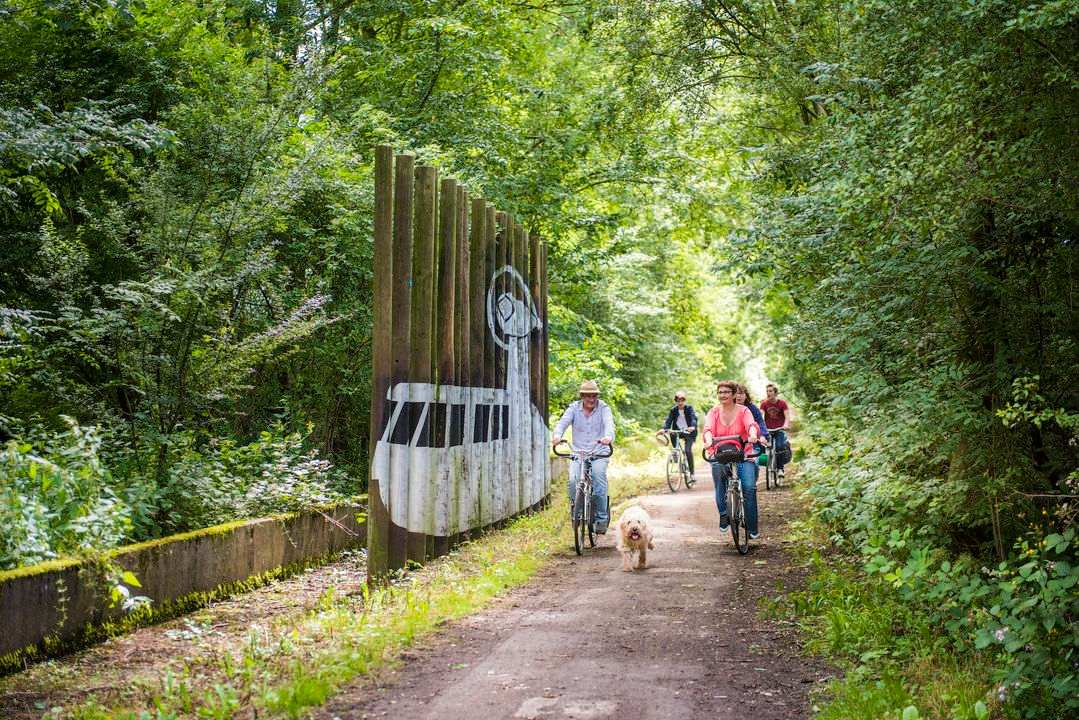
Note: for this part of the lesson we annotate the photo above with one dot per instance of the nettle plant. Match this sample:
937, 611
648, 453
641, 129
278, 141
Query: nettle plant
56, 498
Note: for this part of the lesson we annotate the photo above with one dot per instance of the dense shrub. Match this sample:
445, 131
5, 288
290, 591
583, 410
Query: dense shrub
58, 498
1019, 614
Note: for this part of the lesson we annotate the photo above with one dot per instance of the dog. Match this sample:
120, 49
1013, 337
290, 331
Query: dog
634, 536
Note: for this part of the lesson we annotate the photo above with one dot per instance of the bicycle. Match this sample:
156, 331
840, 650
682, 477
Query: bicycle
582, 506
731, 455
677, 462
771, 475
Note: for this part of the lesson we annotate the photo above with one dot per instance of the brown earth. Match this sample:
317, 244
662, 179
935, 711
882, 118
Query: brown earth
682, 639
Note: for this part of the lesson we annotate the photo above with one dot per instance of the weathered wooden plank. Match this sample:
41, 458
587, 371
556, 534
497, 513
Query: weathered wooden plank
399, 456
461, 489
535, 370
446, 325
381, 357
421, 365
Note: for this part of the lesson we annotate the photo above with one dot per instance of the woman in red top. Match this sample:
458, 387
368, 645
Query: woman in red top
729, 418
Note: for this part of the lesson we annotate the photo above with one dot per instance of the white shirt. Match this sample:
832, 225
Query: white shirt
587, 429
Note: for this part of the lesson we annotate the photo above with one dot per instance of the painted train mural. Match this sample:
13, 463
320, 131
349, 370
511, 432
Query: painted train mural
458, 434
466, 465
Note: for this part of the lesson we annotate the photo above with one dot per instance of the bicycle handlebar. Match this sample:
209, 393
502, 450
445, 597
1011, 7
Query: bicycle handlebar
716, 441
592, 454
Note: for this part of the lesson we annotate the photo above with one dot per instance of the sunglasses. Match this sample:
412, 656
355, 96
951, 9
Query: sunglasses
679, 399
724, 392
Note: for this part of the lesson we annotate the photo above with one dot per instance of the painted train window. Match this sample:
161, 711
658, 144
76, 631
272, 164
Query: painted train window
434, 424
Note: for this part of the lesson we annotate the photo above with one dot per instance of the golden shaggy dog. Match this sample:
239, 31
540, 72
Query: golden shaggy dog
634, 536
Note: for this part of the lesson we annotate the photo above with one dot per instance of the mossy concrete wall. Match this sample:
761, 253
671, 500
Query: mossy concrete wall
58, 600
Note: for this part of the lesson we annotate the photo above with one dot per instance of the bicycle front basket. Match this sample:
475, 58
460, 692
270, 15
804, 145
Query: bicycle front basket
728, 454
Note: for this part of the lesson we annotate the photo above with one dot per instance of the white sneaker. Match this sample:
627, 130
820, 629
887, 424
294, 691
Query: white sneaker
754, 536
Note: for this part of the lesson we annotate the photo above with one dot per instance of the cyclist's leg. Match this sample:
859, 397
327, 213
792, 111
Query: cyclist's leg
599, 491
688, 445
781, 448
747, 475
571, 484
719, 478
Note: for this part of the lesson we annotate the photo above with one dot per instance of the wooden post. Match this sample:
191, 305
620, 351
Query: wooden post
445, 319
461, 494
378, 515
545, 403
522, 421
421, 367
477, 340
535, 368
500, 481
401, 344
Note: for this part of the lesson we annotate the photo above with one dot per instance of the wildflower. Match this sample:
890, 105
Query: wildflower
1000, 634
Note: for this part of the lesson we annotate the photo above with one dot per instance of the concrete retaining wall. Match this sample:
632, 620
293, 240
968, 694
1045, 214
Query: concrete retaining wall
59, 600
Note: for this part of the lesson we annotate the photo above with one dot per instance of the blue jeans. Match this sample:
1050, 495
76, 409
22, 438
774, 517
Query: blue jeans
779, 442
599, 486
747, 474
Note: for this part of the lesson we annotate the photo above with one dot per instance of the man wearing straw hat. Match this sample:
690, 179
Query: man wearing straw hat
592, 423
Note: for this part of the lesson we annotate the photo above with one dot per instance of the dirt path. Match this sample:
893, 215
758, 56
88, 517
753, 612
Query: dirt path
681, 639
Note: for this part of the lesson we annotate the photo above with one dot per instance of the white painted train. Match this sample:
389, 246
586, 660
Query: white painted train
454, 457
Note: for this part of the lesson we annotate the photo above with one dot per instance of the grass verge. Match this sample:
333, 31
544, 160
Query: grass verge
286, 669
897, 664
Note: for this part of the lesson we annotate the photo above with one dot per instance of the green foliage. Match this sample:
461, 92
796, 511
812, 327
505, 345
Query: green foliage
57, 499
223, 481
186, 218
910, 233
1017, 617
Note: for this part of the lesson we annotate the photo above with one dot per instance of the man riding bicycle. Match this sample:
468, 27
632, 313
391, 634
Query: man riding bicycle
683, 417
592, 423
777, 417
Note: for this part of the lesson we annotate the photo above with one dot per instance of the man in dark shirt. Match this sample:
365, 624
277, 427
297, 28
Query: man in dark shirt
683, 417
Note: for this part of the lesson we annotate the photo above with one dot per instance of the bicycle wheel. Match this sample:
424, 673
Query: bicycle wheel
672, 472
590, 512
687, 476
578, 522
733, 495
739, 529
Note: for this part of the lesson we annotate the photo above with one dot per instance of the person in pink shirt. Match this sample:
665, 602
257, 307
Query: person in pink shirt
729, 418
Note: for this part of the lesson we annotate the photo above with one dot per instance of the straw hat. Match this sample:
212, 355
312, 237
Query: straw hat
589, 387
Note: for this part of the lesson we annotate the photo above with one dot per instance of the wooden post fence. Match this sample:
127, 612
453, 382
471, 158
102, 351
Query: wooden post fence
459, 432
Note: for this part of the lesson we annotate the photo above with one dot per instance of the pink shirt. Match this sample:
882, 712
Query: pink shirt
743, 421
